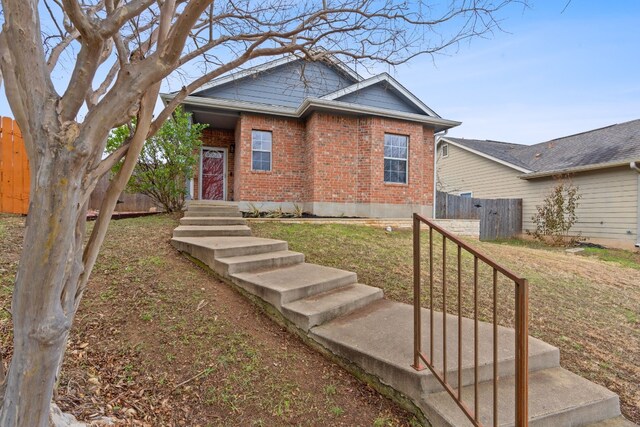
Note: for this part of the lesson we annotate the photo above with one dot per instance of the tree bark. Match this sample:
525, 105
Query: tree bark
43, 299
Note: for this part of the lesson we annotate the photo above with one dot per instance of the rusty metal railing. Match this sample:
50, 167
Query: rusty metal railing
521, 324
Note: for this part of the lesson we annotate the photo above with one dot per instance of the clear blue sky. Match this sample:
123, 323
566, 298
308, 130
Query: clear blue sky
550, 74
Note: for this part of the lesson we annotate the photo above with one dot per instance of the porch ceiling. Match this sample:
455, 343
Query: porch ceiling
215, 119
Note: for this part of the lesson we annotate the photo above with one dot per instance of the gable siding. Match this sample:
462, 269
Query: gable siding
380, 96
287, 85
608, 209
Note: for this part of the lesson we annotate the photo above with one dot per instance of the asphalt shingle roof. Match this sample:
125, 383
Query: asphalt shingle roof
617, 143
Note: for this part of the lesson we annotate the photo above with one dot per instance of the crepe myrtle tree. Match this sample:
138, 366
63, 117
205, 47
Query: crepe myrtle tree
108, 59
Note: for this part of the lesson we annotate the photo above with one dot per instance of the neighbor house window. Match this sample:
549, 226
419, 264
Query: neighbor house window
260, 150
445, 150
396, 152
466, 194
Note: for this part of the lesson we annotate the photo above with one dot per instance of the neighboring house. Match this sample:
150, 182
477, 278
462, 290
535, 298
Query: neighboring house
604, 163
318, 136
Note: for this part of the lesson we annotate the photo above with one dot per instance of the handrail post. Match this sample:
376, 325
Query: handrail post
522, 353
417, 321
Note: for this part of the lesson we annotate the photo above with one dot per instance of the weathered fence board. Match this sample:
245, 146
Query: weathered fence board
499, 218
127, 202
14, 169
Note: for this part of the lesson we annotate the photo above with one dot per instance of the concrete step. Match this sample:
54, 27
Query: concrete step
222, 203
318, 309
614, 422
284, 285
207, 249
213, 220
245, 263
557, 397
388, 352
216, 211
211, 230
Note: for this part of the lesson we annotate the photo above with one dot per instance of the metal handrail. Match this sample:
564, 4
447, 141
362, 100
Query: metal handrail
521, 324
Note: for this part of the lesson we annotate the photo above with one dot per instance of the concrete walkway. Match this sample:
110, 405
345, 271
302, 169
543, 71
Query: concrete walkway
354, 322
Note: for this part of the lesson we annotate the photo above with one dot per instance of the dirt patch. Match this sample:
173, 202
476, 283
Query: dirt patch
158, 341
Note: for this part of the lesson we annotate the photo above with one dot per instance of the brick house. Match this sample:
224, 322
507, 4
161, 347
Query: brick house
315, 135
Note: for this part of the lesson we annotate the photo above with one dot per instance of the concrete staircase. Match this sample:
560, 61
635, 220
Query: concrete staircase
353, 321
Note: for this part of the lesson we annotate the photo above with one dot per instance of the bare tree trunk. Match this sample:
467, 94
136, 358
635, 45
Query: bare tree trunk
43, 299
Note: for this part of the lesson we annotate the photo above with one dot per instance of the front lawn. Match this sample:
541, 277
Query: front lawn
160, 342
587, 305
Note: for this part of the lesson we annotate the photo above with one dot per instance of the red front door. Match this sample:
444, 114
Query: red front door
213, 177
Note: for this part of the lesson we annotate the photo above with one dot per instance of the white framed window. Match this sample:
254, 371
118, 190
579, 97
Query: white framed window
445, 150
261, 144
466, 194
396, 153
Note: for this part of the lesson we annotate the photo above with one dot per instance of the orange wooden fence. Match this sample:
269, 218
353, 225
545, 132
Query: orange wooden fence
14, 169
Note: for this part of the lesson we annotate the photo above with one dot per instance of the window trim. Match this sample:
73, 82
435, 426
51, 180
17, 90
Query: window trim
466, 194
405, 160
445, 147
262, 151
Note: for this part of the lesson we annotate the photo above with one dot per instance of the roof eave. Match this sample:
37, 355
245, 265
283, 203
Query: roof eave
577, 169
485, 155
438, 123
310, 103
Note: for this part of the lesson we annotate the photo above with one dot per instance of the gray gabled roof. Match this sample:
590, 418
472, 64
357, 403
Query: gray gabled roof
294, 87
608, 146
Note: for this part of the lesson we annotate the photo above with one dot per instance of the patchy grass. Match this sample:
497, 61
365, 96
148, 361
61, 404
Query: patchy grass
586, 306
158, 341
623, 258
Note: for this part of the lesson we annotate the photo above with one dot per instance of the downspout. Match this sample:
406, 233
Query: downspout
636, 166
437, 138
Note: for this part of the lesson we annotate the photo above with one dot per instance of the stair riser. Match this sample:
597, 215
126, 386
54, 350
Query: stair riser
414, 385
213, 212
210, 233
243, 267
307, 322
213, 221
506, 368
581, 416
251, 250
318, 288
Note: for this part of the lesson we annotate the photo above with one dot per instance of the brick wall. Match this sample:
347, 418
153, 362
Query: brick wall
327, 158
285, 181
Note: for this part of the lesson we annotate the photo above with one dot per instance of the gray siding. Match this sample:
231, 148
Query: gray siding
380, 95
287, 85
607, 211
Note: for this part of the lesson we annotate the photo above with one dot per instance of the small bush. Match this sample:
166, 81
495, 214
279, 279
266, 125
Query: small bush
557, 214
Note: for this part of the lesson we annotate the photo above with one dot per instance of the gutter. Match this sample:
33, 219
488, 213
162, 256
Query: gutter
636, 166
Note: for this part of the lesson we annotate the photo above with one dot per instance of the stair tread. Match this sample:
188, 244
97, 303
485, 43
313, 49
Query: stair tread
324, 301
553, 392
389, 317
296, 276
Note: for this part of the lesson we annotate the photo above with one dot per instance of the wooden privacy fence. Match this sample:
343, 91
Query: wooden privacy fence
14, 169
499, 218
14, 178
127, 202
